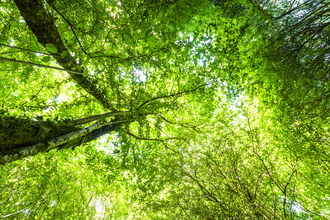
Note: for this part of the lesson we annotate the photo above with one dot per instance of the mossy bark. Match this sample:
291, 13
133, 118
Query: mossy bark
21, 138
17, 132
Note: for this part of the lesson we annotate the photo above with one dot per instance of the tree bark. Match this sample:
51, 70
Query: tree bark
70, 140
21, 138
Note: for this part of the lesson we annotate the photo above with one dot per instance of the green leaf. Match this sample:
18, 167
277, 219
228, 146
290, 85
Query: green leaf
81, 25
85, 73
40, 118
64, 53
2, 111
15, 66
45, 59
51, 48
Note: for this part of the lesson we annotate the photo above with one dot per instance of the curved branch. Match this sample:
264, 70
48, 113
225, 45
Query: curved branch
72, 28
172, 95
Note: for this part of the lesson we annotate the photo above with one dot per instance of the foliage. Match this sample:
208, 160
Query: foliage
166, 109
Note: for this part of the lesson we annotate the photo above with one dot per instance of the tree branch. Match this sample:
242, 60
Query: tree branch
39, 65
19, 48
72, 28
98, 117
172, 95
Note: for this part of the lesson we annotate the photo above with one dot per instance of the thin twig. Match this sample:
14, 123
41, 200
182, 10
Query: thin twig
39, 65
172, 95
71, 27
19, 48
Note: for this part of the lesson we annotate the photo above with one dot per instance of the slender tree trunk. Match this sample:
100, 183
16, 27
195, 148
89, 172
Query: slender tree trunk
41, 23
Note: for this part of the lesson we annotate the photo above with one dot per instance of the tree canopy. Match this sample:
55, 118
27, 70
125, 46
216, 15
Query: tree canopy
167, 109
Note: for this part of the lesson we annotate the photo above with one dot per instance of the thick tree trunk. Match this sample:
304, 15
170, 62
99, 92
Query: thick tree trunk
22, 137
41, 23
70, 140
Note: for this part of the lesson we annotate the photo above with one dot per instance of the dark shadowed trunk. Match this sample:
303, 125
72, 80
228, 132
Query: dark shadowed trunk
21, 138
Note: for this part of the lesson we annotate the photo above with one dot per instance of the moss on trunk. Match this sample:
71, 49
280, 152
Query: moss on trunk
16, 132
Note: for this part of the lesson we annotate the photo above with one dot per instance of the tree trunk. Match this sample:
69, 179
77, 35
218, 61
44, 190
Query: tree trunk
41, 23
23, 137
69, 140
